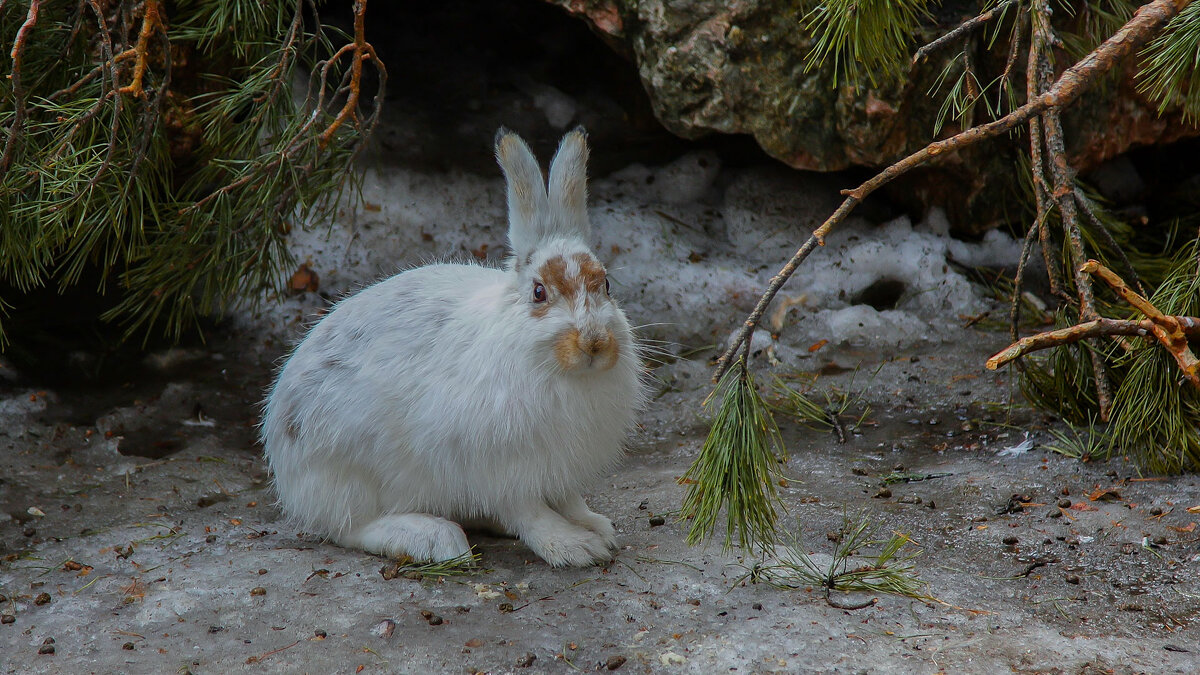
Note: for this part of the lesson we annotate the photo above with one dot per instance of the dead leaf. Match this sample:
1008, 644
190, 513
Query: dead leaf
1083, 506
1105, 494
305, 279
1191, 527
1194, 509
373, 208
817, 345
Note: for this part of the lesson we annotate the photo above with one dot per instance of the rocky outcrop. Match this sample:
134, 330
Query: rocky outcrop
737, 67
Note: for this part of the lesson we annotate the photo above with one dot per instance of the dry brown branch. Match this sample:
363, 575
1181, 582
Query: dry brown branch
1145, 24
151, 23
1064, 194
1171, 332
1037, 80
961, 31
361, 51
19, 112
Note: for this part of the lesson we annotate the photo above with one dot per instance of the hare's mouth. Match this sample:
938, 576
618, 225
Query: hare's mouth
594, 351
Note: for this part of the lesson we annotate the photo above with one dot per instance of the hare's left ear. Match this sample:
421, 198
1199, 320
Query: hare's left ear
568, 186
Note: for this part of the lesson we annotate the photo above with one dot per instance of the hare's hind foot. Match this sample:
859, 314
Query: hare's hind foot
418, 535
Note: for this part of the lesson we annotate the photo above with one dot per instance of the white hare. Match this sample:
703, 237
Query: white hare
462, 393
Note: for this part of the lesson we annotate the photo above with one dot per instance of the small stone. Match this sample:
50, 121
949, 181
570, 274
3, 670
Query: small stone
645, 504
320, 634
215, 629
1072, 579
1156, 511
883, 493
258, 590
128, 646
48, 641
1064, 503
1011, 540
29, 532
42, 599
385, 628
695, 602
614, 662
1055, 514
858, 471
1160, 540
210, 538
46, 649
757, 605
434, 620
505, 607
8, 618
655, 521
262, 572
931, 504
526, 660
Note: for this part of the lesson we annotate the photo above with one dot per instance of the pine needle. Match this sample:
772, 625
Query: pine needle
736, 469
884, 572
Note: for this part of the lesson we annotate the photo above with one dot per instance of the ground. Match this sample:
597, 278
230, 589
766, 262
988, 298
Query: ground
181, 563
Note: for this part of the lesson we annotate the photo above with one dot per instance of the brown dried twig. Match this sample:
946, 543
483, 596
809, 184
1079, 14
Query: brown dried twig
960, 31
151, 23
19, 112
1147, 22
1171, 332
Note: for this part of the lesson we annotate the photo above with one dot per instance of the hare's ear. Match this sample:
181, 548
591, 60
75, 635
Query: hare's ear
568, 185
527, 205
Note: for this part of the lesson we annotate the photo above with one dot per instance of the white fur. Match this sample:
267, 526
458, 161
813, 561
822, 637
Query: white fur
435, 397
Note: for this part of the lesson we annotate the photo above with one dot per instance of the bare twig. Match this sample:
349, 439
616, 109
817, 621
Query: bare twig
19, 112
1037, 80
1170, 331
151, 23
962, 29
1064, 194
1145, 24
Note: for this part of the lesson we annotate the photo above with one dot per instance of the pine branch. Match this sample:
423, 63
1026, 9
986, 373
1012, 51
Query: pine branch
1145, 24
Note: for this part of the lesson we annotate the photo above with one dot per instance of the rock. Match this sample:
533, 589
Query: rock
712, 66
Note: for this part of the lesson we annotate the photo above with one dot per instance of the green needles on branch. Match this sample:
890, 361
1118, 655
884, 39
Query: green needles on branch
737, 468
159, 146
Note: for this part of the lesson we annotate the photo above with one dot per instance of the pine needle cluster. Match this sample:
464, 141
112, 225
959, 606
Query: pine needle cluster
161, 144
737, 468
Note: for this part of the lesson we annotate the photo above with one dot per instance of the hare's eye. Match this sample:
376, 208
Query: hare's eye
606, 285
539, 292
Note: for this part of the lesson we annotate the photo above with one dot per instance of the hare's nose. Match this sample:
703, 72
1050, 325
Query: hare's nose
597, 343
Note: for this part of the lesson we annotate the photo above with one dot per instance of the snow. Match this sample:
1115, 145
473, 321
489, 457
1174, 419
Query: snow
689, 245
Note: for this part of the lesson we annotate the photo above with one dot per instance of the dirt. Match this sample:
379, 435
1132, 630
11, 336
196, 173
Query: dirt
138, 532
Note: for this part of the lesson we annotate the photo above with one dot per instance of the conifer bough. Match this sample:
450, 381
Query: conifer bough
160, 146
1147, 22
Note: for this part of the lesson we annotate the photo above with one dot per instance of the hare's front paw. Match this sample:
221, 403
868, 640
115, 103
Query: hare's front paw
569, 546
419, 535
576, 510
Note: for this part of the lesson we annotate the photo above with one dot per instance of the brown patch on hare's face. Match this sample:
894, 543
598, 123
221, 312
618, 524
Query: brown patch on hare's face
594, 351
552, 275
591, 272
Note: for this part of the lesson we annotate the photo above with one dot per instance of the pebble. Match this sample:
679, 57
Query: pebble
258, 590
1156, 511
1011, 540
883, 493
128, 646
8, 618
431, 618
615, 662
321, 635
655, 521
1072, 579
42, 599
526, 660
46, 649
1064, 503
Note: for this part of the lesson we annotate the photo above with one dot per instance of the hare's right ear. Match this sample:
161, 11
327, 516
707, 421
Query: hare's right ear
527, 202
